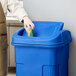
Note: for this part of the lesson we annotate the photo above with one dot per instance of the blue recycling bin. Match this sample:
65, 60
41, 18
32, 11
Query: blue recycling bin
45, 54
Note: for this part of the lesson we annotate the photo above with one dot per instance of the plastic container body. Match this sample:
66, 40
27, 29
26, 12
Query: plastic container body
41, 61
42, 55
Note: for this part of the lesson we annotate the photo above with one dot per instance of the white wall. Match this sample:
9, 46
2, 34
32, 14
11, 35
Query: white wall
57, 10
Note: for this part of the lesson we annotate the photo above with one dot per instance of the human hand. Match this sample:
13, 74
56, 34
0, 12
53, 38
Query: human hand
28, 22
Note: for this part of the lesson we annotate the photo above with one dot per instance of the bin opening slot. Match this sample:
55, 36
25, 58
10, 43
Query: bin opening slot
44, 29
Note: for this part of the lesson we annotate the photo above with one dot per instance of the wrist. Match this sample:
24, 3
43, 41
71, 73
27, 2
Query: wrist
23, 19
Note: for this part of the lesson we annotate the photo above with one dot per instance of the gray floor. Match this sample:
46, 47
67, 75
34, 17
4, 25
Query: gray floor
11, 74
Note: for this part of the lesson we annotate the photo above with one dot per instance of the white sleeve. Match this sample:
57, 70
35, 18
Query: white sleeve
16, 9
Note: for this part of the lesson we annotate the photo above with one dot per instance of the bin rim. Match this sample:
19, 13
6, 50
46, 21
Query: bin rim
59, 37
50, 41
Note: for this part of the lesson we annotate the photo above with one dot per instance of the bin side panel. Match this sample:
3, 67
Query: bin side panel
63, 54
52, 70
63, 69
35, 55
40, 55
24, 70
39, 61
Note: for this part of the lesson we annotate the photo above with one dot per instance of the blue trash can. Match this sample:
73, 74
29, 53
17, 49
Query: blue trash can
45, 54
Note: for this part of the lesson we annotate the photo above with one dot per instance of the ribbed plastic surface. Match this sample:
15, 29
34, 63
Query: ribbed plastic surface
45, 54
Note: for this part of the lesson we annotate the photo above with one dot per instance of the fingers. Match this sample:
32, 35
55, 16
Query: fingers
32, 25
25, 26
29, 25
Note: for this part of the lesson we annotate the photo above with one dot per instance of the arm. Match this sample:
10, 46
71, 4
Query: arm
16, 9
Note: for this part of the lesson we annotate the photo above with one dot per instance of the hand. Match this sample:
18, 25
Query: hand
27, 22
